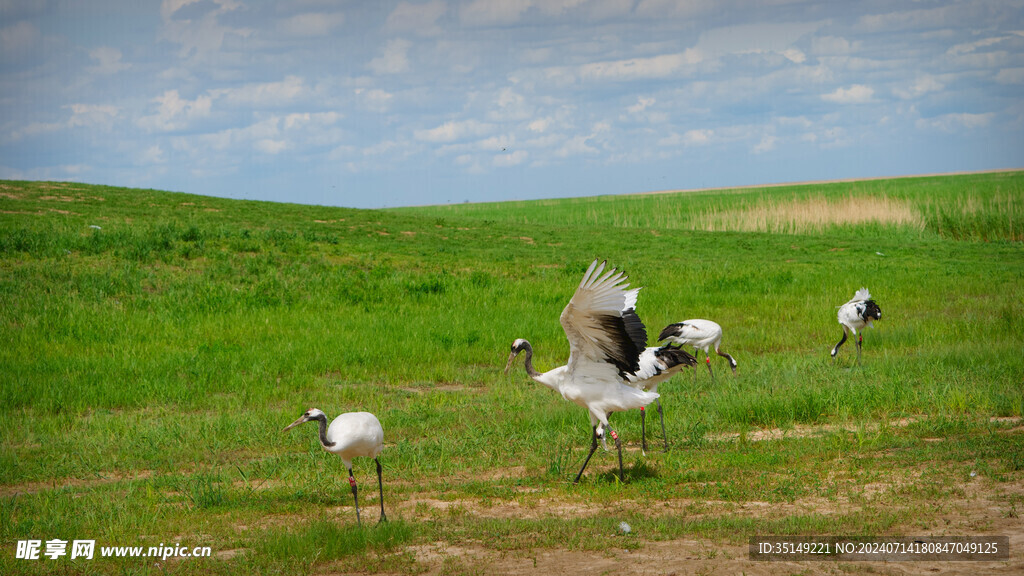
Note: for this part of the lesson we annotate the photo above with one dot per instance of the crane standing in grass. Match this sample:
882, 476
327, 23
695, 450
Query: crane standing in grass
702, 335
350, 435
855, 315
605, 343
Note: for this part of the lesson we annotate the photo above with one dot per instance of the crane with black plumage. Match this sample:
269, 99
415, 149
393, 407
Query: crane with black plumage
606, 341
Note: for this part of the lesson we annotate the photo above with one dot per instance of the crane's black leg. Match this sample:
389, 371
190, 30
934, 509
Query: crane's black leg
593, 447
643, 430
380, 484
661, 415
860, 340
355, 494
835, 349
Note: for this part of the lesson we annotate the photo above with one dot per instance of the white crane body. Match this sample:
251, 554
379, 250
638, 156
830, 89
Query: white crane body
350, 435
702, 335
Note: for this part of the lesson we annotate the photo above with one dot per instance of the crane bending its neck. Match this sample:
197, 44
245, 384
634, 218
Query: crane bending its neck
523, 346
321, 420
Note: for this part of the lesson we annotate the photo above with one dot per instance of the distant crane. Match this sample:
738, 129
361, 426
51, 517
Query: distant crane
350, 435
855, 315
605, 343
702, 335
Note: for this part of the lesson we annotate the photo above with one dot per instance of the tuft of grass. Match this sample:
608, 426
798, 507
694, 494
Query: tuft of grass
324, 541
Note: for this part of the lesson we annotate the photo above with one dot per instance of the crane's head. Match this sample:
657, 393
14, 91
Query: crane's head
311, 414
518, 346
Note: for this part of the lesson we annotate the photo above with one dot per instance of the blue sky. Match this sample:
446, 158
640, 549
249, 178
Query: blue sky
380, 103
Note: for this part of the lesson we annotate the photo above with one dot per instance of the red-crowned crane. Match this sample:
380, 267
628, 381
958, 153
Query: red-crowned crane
702, 335
855, 315
350, 435
605, 344
657, 364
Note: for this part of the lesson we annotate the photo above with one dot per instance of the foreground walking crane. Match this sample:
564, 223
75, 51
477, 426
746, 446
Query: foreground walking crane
605, 342
350, 435
855, 315
702, 335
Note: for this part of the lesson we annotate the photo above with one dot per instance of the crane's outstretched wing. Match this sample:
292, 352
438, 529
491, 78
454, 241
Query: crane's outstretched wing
601, 325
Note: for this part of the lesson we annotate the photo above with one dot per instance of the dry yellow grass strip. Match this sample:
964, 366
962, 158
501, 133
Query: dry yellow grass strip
815, 214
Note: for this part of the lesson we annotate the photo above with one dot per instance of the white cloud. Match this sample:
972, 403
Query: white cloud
559, 7
513, 159
921, 86
660, 9
956, 122
108, 61
575, 146
832, 46
767, 144
312, 23
929, 18
795, 56
202, 36
654, 67
35, 129
17, 38
174, 112
496, 143
510, 106
539, 125
268, 146
375, 100
969, 47
493, 12
641, 104
420, 19
263, 94
757, 39
92, 115
856, 94
453, 131
696, 137
1010, 76
82, 115
394, 60
152, 155
304, 120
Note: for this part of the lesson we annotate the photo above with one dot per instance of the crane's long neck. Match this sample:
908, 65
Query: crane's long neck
322, 422
528, 362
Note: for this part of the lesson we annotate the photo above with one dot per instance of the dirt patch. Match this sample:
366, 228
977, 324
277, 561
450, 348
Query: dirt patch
806, 431
976, 514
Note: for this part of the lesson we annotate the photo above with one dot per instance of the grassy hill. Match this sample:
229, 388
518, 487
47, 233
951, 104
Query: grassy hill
156, 343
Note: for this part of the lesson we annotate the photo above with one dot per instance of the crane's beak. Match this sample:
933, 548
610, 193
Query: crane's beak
511, 356
301, 420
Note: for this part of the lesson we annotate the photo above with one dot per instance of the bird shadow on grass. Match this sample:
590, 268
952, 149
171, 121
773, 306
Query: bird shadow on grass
634, 472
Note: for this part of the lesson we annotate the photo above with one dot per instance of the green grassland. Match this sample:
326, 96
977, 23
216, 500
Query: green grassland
155, 343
